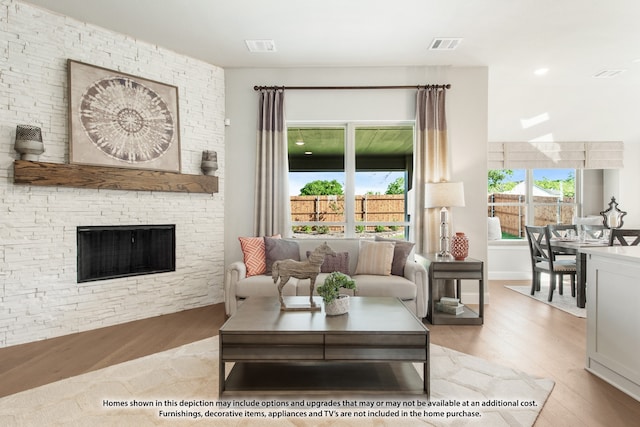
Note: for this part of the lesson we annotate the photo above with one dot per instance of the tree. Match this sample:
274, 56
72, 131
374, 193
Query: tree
496, 179
396, 187
567, 187
322, 188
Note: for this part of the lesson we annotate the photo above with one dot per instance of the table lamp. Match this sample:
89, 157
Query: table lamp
444, 195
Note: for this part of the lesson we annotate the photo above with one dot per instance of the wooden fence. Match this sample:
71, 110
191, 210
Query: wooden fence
391, 208
513, 218
369, 208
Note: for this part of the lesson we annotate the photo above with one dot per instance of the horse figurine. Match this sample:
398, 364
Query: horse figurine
308, 269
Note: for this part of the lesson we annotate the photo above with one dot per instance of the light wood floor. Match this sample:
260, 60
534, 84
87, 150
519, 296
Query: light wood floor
518, 332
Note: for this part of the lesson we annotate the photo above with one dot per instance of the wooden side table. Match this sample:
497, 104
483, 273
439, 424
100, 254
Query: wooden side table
446, 268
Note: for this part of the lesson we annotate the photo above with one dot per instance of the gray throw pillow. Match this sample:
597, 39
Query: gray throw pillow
338, 262
401, 252
279, 249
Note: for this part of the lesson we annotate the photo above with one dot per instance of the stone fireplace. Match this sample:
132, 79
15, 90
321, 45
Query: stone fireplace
40, 296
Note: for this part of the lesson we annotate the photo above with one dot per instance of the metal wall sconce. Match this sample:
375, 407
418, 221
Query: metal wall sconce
29, 142
612, 217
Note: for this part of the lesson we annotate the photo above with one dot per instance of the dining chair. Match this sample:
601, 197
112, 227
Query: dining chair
544, 260
624, 237
563, 231
593, 231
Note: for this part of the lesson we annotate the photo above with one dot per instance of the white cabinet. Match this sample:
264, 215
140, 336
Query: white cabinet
613, 316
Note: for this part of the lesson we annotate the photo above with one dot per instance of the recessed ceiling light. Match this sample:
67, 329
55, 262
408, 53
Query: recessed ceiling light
445, 43
541, 71
261, 46
607, 74
308, 153
299, 142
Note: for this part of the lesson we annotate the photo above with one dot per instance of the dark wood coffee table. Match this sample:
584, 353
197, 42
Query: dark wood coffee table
284, 352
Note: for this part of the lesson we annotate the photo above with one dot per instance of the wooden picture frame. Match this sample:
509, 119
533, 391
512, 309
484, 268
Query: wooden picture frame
121, 120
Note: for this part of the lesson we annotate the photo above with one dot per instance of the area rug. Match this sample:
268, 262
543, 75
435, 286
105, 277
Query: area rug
179, 387
562, 302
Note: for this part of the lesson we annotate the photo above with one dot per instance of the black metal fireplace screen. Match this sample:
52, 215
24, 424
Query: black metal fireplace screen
107, 252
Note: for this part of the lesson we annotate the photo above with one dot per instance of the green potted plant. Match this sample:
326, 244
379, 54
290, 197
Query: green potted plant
334, 302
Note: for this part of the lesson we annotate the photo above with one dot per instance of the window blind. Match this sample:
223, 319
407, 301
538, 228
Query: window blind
560, 155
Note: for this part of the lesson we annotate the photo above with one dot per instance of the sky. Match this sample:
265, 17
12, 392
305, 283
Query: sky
378, 182
365, 181
551, 174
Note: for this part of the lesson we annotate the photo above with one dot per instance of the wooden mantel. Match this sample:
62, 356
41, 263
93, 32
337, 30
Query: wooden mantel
83, 176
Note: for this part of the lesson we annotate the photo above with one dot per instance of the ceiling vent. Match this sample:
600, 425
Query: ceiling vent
607, 74
443, 43
261, 46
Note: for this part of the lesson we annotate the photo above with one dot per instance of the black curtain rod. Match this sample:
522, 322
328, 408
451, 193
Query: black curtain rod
447, 86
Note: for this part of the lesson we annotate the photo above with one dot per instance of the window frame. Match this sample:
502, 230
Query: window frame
529, 205
350, 224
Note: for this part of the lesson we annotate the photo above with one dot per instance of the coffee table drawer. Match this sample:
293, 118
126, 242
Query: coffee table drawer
273, 339
272, 346
414, 354
380, 340
272, 352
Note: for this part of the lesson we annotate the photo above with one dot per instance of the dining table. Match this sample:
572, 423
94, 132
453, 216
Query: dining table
574, 246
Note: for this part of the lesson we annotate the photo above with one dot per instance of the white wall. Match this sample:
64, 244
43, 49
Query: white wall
39, 296
509, 260
466, 118
593, 192
607, 111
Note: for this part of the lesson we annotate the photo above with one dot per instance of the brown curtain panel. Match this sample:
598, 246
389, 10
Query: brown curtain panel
272, 210
432, 164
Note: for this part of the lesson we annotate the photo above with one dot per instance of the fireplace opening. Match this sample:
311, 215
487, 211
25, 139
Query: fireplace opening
107, 252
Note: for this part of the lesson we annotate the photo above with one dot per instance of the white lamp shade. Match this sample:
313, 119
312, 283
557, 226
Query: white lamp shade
444, 194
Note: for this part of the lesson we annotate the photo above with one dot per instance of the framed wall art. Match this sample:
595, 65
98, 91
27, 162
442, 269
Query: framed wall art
121, 120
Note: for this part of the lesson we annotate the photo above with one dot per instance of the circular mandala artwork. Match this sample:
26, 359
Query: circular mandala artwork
126, 120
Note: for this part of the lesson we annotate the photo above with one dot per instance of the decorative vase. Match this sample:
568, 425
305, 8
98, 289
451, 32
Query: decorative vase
29, 142
209, 163
338, 306
459, 246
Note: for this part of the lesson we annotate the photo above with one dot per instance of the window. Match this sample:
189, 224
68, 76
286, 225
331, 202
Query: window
350, 179
519, 197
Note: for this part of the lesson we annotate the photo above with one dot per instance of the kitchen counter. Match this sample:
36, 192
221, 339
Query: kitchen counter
613, 316
622, 253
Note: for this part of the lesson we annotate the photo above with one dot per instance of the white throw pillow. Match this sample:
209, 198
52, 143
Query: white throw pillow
375, 258
494, 229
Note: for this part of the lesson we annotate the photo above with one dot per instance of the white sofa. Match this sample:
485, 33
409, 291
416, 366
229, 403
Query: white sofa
411, 287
